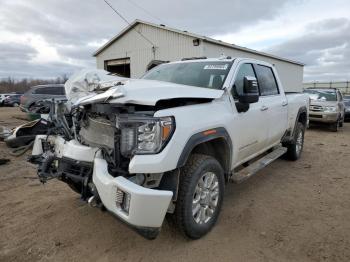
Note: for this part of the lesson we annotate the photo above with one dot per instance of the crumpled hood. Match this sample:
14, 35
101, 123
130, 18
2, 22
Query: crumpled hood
148, 92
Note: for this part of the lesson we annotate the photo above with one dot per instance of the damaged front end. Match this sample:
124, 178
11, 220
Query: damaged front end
90, 150
102, 128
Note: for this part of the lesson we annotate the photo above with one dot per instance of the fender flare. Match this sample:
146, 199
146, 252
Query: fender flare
202, 137
302, 109
289, 135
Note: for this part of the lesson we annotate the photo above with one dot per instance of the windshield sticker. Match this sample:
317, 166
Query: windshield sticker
216, 67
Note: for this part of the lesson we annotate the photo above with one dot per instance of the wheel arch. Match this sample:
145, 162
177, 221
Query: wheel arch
302, 117
215, 142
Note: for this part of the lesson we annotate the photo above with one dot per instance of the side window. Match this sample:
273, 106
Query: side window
55, 90
244, 70
61, 90
50, 90
42, 91
37, 91
267, 81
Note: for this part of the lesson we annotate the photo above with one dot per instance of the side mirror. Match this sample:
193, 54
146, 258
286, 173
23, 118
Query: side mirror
250, 91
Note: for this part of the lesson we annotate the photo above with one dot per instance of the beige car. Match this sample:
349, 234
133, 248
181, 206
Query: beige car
326, 106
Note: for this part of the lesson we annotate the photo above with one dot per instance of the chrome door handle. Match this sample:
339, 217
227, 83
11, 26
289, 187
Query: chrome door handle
264, 108
284, 103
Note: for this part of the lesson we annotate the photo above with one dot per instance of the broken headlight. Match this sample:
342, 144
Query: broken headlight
144, 135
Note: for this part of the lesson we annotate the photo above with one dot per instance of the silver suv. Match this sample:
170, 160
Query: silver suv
326, 106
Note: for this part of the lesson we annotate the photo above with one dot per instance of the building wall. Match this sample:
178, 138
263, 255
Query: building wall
291, 75
344, 87
170, 46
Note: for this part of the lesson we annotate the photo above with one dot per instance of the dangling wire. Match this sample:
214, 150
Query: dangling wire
126, 21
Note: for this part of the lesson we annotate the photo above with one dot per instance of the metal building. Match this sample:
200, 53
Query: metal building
143, 45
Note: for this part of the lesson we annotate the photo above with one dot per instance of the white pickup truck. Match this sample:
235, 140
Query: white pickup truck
169, 142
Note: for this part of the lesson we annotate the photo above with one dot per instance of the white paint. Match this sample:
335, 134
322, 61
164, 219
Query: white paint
147, 206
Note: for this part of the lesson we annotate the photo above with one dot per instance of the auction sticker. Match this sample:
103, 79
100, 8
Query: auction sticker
216, 67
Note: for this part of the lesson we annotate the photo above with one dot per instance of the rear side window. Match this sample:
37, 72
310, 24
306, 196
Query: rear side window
267, 81
50, 90
244, 70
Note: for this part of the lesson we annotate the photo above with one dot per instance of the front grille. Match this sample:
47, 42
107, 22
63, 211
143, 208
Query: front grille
75, 168
315, 116
316, 108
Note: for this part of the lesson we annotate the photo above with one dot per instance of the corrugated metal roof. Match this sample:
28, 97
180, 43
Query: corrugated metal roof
203, 38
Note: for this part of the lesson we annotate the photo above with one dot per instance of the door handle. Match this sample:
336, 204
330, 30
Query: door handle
264, 108
284, 103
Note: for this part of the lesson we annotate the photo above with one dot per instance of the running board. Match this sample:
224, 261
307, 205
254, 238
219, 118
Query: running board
256, 166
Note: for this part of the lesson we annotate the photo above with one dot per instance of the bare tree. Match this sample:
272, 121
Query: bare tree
9, 85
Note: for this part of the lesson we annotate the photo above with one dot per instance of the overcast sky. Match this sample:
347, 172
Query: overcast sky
48, 38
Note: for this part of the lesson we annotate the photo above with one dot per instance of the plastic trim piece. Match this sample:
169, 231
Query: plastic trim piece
202, 137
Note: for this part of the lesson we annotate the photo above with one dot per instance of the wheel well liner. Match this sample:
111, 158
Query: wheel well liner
215, 142
301, 117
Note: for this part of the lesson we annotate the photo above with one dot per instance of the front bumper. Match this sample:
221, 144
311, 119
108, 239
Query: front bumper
323, 117
147, 207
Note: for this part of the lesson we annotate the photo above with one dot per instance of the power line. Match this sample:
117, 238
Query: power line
146, 11
126, 21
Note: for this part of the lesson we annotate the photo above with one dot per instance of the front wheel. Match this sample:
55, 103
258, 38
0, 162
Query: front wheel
341, 124
296, 147
200, 195
335, 126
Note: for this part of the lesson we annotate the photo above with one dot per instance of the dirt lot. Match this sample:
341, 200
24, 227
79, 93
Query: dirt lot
290, 211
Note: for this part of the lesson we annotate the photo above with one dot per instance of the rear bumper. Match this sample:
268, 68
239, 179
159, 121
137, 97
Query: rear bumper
323, 117
147, 207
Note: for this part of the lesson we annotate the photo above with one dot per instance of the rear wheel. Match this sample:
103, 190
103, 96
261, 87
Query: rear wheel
200, 195
296, 147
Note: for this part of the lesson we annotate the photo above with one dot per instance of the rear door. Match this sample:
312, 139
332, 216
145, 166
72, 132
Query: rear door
274, 102
251, 126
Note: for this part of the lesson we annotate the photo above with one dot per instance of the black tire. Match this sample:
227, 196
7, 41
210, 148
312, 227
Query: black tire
341, 123
335, 127
293, 152
197, 166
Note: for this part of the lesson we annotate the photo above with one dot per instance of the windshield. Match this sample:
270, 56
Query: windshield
201, 74
322, 95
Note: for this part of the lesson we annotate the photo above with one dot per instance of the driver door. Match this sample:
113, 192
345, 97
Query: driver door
251, 127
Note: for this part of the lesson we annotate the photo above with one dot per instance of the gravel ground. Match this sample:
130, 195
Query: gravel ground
290, 211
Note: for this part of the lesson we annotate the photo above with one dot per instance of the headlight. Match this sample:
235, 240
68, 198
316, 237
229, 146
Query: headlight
330, 109
144, 135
